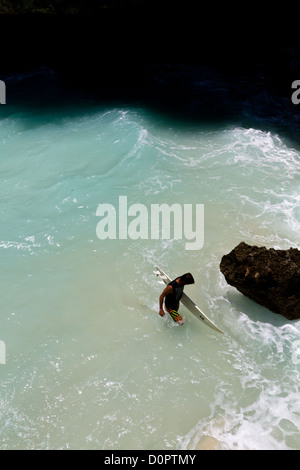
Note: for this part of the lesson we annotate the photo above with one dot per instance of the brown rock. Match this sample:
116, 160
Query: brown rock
269, 277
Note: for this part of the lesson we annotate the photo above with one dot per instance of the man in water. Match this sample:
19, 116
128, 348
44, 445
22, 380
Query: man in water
172, 295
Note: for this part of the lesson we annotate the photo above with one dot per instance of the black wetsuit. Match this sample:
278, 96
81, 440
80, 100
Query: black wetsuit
172, 300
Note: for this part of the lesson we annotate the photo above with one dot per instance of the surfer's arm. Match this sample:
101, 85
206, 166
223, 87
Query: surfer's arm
166, 291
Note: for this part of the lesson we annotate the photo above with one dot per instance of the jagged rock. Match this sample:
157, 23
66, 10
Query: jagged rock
64, 7
269, 277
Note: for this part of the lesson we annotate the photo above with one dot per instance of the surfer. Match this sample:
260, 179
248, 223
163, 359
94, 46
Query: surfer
172, 295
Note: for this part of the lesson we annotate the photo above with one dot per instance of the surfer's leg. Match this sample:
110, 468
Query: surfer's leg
175, 315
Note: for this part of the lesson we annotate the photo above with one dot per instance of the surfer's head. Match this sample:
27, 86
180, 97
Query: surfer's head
187, 278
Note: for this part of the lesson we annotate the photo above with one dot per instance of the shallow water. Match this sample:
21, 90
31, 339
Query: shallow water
89, 362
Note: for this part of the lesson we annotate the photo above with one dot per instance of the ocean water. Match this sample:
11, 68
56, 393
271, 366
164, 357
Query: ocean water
89, 363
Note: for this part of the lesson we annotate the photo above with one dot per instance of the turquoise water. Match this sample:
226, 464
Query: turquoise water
89, 362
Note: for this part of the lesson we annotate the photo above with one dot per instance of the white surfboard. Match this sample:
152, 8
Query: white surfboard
188, 303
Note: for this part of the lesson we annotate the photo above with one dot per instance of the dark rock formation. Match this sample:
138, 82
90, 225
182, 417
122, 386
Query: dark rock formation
269, 277
64, 7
